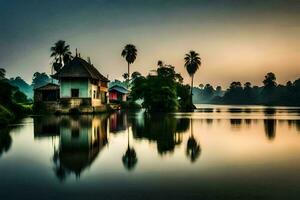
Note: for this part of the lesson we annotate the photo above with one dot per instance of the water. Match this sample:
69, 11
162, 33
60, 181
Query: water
217, 152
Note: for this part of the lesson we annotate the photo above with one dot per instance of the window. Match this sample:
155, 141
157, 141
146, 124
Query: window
94, 94
74, 92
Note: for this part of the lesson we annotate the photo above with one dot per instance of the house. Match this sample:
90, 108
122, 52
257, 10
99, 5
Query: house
117, 91
46, 93
46, 97
81, 84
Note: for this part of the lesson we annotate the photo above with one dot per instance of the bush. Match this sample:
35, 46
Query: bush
131, 105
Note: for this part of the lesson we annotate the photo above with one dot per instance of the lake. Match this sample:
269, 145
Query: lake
217, 152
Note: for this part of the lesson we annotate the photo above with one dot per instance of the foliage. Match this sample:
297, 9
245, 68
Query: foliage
125, 76
61, 54
20, 97
10, 109
130, 105
135, 74
40, 79
163, 92
270, 93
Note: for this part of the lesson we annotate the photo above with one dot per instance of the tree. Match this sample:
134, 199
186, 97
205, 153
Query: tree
201, 86
20, 97
219, 91
208, 91
61, 54
163, 93
40, 79
192, 64
135, 74
125, 76
270, 80
160, 63
2, 73
129, 53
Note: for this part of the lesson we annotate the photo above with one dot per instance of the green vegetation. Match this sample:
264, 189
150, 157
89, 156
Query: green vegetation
270, 93
12, 102
163, 92
61, 54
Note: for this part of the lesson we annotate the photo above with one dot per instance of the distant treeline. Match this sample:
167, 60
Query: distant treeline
270, 93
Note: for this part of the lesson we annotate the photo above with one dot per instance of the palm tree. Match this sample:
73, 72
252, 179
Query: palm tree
129, 53
192, 64
61, 54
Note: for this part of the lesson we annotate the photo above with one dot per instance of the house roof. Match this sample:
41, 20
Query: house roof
118, 89
48, 86
79, 68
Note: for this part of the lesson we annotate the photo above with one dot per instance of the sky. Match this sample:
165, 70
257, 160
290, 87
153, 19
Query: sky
237, 40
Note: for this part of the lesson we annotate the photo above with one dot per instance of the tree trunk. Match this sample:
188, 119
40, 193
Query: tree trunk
128, 72
192, 84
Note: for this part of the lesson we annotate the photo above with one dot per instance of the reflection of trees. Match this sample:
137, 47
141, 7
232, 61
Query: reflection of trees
80, 141
270, 128
269, 111
193, 148
236, 123
248, 122
235, 110
5, 141
164, 129
295, 123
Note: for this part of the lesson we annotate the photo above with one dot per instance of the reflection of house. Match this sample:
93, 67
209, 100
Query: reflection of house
117, 122
81, 84
46, 126
81, 139
117, 91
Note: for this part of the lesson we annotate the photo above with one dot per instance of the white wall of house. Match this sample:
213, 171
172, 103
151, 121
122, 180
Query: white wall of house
67, 85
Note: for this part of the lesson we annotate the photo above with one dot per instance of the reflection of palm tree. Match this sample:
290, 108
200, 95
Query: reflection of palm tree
129, 158
193, 149
270, 128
